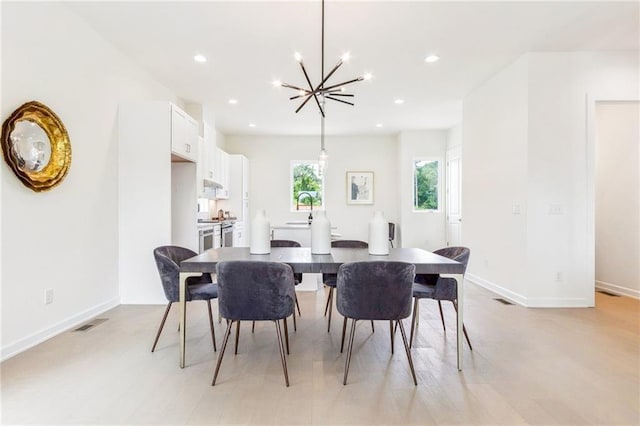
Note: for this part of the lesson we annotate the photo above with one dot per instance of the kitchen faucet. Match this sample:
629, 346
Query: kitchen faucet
298, 204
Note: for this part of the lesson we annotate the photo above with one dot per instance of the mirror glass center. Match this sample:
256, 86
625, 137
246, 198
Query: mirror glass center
31, 146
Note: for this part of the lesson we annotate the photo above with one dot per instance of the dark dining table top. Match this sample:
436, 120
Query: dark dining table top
301, 259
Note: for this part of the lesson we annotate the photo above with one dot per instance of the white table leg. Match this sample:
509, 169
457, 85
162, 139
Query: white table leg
183, 311
459, 324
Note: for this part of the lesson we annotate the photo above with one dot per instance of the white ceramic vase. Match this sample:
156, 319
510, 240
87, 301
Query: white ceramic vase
321, 234
260, 229
378, 234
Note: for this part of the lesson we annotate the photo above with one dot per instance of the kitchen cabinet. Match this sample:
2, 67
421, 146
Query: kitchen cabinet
237, 201
240, 235
222, 174
184, 135
207, 180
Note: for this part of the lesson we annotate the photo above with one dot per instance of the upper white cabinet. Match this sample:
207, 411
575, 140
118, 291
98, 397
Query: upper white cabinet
209, 156
184, 135
222, 174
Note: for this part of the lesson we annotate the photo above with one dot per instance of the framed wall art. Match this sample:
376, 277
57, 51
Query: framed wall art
359, 187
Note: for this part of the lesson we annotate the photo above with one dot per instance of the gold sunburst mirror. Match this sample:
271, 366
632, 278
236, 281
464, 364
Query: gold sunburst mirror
36, 146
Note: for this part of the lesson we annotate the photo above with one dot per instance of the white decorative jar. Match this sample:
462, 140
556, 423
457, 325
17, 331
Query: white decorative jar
378, 234
260, 243
321, 234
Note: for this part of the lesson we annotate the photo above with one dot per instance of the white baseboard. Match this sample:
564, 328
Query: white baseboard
528, 301
508, 294
616, 289
34, 339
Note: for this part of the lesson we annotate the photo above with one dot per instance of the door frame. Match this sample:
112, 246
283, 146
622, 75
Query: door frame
590, 208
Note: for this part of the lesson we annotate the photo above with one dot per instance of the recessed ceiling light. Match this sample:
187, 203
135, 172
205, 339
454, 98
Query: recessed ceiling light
252, 125
379, 125
233, 101
398, 101
432, 58
200, 58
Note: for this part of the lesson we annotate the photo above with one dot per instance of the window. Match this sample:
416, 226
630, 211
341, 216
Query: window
426, 184
307, 185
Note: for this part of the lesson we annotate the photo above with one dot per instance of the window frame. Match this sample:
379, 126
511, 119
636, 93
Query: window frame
439, 185
292, 206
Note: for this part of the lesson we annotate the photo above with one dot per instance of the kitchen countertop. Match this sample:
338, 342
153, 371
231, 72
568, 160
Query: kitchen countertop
291, 225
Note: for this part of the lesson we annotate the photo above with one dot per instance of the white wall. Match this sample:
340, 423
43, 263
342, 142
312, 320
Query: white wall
64, 239
420, 229
494, 170
525, 144
270, 163
618, 197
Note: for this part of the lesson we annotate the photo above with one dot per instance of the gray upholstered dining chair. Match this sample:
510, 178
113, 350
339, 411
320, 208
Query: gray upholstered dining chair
298, 280
297, 276
201, 287
430, 286
254, 291
329, 280
375, 290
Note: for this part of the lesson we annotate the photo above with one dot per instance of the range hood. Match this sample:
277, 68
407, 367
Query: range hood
209, 184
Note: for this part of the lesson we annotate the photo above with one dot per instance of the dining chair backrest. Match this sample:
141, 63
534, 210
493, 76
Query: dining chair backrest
168, 260
285, 243
459, 254
376, 290
255, 290
349, 244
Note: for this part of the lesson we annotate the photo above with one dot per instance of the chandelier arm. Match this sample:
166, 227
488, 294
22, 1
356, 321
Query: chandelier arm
335, 93
313, 91
304, 103
287, 85
338, 100
326, 89
324, 80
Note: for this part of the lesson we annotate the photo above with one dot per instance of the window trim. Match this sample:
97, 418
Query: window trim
440, 161
292, 164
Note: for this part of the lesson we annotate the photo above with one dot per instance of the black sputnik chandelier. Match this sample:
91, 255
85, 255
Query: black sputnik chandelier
323, 90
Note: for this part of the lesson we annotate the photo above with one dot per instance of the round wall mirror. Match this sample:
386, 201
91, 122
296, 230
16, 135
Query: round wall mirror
36, 146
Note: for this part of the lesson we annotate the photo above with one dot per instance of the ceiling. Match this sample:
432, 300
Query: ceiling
250, 44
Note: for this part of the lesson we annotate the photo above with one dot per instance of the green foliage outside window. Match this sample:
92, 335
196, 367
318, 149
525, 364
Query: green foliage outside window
307, 178
425, 181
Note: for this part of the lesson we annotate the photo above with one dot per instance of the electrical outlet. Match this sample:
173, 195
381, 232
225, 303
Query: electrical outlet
48, 296
559, 276
515, 209
486, 263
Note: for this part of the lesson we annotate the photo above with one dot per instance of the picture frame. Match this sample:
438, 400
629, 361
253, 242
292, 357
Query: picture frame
359, 187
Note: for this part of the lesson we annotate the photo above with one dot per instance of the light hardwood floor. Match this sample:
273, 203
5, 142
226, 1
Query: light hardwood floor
528, 366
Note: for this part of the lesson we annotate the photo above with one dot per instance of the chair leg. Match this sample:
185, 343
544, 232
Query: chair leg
406, 349
326, 307
330, 301
253, 326
349, 350
164, 318
222, 349
391, 332
442, 315
237, 335
213, 332
286, 334
298, 305
344, 331
464, 330
414, 320
373, 329
283, 358
295, 326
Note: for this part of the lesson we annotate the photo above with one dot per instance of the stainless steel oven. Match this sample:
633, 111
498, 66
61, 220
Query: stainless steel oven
209, 237
227, 235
